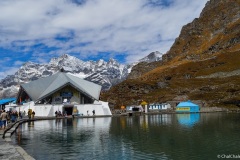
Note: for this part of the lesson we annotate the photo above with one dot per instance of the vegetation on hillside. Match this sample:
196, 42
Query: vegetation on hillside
203, 64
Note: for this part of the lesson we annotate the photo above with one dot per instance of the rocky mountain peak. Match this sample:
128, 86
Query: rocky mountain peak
101, 62
215, 30
112, 62
29, 63
64, 59
202, 64
152, 57
101, 72
144, 65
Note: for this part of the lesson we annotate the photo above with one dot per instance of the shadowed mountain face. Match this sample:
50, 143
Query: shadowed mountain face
203, 63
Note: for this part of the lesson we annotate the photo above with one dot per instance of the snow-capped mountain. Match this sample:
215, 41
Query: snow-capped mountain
152, 57
101, 72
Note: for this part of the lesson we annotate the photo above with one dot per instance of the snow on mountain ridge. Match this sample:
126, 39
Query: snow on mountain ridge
152, 57
101, 72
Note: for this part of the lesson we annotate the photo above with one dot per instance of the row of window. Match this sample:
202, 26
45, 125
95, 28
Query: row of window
157, 106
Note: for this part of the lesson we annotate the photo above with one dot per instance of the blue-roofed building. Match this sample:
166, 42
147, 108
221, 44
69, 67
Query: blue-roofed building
4, 102
187, 106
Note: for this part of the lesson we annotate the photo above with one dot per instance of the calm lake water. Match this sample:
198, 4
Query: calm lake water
166, 136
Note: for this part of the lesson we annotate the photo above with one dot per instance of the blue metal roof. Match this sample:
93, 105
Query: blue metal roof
4, 101
186, 104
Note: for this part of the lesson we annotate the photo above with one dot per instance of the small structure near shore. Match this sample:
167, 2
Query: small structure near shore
159, 106
7, 104
187, 106
138, 108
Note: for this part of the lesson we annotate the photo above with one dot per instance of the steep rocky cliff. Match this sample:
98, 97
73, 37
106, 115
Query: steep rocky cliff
203, 63
216, 30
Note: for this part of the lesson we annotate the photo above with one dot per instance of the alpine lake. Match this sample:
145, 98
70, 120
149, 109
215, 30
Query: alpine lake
160, 136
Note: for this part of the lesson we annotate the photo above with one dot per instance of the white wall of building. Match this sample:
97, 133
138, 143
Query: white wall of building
48, 110
162, 106
100, 107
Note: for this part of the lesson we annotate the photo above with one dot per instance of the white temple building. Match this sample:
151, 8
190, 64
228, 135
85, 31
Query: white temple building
61, 92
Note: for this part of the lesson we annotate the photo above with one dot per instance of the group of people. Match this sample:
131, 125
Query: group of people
93, 112
59, 114
12, 116
7, 117
31, 114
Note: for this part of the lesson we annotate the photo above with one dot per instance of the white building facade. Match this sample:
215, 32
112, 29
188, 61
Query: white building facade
159, 106
62, 92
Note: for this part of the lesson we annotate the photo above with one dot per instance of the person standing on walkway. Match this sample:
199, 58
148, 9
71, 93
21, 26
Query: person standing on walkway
14, 116
24, 114
93, 112
33, 114
1, 124
56, 114
0, 120
29, 114
20, 114
3, 116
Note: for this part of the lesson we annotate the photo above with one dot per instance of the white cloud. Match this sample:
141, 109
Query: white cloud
17, 63
11, 69
134, 28
8, 71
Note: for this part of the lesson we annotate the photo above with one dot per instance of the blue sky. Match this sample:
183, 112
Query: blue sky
126, 30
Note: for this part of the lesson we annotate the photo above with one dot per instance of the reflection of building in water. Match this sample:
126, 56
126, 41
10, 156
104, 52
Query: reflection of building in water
123, 122
188, 119
161, 119
61, 92
92, 129
144, 122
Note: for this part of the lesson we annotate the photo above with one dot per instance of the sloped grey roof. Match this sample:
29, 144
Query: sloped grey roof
43, 87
